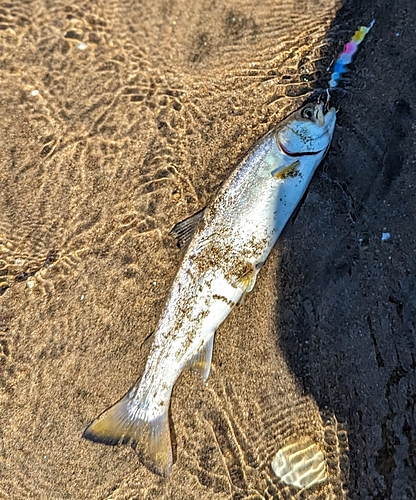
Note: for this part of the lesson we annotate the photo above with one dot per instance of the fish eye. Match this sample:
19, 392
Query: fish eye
307, 113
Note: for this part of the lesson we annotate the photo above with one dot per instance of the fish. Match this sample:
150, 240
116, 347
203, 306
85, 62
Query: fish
225, 246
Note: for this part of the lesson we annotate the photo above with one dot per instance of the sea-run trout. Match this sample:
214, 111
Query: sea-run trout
226, 245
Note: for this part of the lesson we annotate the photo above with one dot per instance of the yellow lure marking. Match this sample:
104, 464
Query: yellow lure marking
289, 171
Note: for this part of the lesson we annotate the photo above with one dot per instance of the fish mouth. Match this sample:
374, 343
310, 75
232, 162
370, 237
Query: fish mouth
326, 120
300, 153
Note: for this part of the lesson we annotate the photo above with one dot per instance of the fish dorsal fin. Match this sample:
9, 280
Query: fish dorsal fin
184, 230
201, 362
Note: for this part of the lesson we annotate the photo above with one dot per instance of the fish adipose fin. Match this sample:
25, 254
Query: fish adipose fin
125, 423
184, 230
201, 362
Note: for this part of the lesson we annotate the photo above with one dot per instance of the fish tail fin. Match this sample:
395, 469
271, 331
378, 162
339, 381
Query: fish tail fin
149, 435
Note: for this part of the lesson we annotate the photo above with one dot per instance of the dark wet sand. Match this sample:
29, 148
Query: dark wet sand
104, 147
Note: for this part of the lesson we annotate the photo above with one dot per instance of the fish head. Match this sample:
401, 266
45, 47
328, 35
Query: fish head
307, 131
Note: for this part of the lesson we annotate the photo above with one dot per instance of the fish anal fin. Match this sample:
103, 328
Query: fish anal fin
286, 172
125, 422
184, 230
201, 362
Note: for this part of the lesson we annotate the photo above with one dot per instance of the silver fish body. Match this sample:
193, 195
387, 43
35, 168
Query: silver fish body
233, 237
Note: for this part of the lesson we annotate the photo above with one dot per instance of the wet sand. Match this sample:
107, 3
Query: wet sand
120, 119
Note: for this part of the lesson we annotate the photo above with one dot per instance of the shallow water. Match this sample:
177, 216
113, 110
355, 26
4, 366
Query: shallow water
118, 120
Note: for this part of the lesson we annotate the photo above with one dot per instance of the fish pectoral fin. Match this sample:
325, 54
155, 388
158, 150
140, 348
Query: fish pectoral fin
149, 436
201, 362
289, 171
184, 230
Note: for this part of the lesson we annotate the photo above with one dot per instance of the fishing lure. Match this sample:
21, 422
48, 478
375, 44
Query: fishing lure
340, 66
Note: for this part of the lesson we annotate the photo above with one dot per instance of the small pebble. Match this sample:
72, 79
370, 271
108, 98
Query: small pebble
30, 283
34, 92
81, 46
